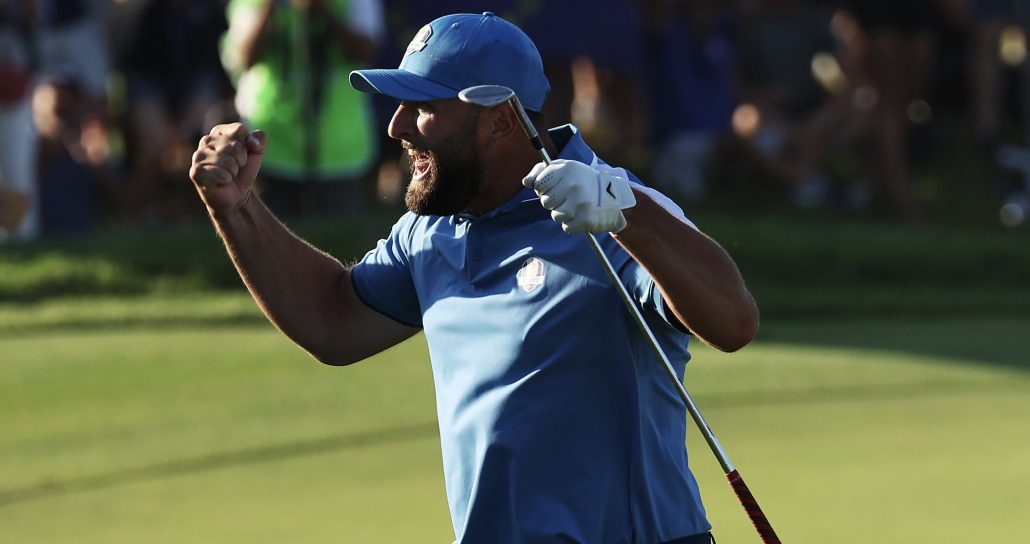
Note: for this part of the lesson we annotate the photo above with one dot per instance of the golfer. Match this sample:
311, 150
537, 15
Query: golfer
557, 422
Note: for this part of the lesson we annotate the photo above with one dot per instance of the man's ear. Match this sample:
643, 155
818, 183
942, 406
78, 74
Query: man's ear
497, 124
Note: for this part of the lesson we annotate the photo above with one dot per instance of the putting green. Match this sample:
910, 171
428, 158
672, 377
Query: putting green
890, 431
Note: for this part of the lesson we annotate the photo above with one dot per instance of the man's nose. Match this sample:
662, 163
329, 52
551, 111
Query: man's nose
402, 124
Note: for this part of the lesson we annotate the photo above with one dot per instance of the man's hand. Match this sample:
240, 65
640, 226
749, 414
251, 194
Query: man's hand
225, 165
581, 198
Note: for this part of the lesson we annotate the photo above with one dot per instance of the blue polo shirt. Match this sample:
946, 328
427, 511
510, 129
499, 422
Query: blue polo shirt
557, 421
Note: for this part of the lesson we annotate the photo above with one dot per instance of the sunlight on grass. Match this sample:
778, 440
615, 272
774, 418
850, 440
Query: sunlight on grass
231, 433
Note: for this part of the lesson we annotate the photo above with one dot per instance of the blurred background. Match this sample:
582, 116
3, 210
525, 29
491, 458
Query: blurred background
867, 163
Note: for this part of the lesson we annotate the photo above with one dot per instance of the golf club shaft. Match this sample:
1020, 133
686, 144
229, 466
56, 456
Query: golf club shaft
747, 500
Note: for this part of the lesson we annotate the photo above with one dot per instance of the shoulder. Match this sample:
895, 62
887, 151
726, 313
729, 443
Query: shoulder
413, 231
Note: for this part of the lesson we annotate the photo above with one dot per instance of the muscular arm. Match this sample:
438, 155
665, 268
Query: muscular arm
304, 292
697, 278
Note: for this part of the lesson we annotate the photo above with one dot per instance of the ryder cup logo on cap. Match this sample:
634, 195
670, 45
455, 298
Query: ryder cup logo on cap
418, 43
459, 51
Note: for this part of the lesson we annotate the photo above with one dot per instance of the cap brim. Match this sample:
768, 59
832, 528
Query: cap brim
400, 84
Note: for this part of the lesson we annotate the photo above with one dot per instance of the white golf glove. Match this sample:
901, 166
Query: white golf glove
582, 198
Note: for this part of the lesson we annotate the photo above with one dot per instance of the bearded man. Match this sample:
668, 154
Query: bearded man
557, 423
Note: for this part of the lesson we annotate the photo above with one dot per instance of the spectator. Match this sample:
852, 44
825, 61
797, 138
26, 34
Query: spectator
73, 33
796, 94
596, 68
290, 59
177, 90
999, 37
19, 207
986, 69
690, 48
73, 174
898, 61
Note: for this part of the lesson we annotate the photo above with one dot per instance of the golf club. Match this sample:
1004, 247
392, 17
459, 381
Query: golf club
492, 95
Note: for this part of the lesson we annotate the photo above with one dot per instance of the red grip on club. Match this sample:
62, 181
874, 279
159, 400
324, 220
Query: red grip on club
747, 500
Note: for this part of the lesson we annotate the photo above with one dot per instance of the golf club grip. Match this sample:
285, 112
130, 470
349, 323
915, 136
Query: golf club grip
747, 500
538, 143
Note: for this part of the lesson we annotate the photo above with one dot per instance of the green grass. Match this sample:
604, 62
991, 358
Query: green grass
143, 398
888, 430
104, 312
222, 435
874, 431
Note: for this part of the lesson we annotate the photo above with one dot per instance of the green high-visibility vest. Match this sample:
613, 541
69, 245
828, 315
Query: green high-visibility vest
319, 127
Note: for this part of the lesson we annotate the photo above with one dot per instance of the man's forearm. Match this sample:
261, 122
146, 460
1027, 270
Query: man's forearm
697, 278
296, 285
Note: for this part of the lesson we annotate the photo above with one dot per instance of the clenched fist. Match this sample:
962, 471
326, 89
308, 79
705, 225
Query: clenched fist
225, 165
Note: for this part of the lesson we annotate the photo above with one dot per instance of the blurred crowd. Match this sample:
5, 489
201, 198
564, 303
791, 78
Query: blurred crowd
102, 101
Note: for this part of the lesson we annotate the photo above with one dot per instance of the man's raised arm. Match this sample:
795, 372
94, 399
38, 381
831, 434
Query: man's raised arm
303, 291
697, 278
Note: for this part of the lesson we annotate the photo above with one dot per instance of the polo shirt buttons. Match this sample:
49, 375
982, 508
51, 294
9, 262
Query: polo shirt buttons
477, 255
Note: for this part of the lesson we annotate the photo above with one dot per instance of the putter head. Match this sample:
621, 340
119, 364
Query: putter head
486, 95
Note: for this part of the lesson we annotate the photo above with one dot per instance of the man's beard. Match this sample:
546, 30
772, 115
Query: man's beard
454, 178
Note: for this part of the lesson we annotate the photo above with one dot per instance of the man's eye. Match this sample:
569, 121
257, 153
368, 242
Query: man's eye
420, 105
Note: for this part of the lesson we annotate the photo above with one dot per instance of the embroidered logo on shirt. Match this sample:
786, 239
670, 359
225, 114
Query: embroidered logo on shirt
531, 275
418, 43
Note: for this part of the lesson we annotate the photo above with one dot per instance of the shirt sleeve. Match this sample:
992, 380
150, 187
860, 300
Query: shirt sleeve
643, 289
383, 279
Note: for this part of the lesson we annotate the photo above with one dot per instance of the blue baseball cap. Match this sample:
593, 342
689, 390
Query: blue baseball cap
458, 51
